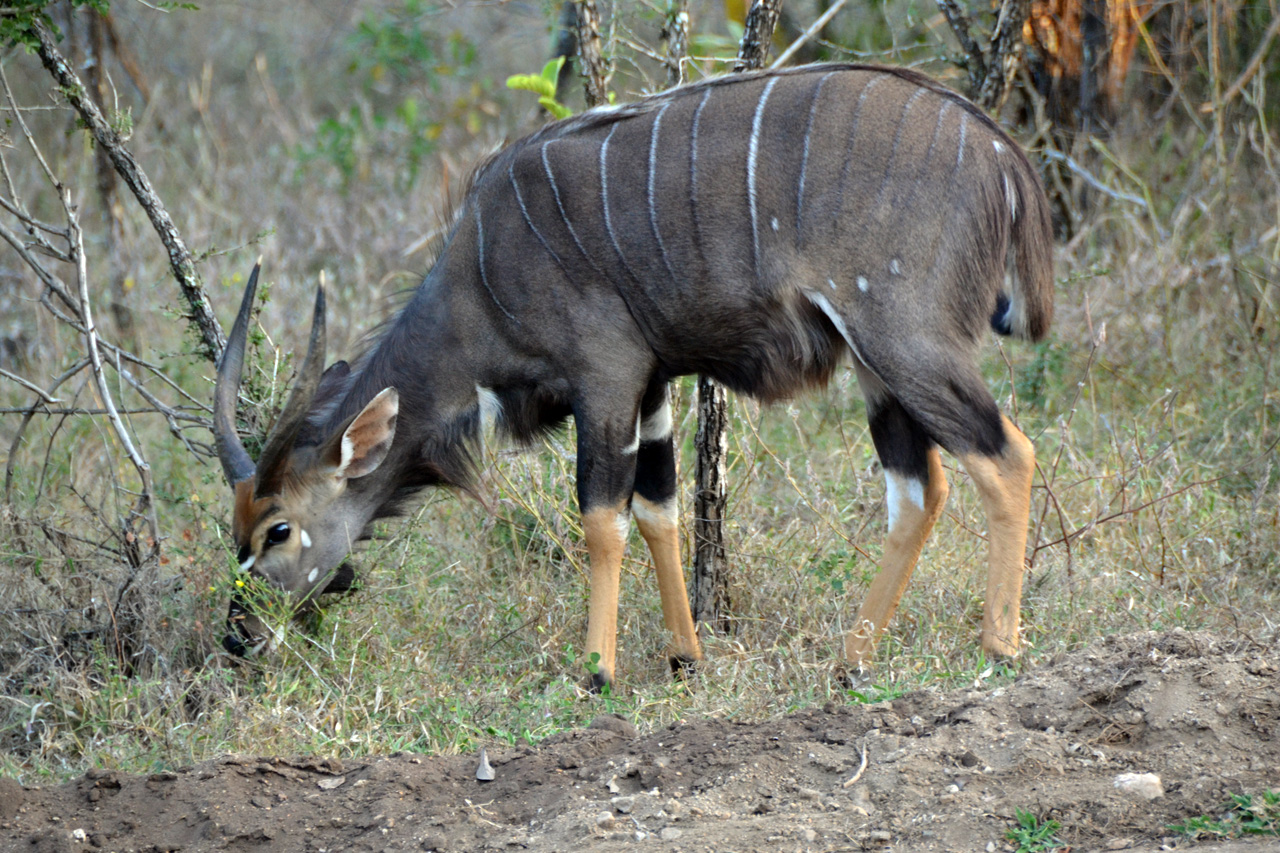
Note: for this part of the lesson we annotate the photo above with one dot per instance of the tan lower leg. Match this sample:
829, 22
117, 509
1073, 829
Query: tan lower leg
911, 519
657, 523
605, 532
1004, 482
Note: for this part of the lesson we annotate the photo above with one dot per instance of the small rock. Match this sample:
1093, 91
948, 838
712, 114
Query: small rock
606, 821
809, 836
612, 785
670, 834
1144, 785
328, 783
1119, 843
623, 805
484, 772
79, 835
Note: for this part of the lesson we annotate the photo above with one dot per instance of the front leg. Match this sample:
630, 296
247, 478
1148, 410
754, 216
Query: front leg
605, 529
606, 475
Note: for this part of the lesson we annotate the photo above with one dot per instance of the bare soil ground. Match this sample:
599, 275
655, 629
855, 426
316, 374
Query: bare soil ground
944, 771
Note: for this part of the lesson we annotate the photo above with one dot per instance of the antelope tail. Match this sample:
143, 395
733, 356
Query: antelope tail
1026, 309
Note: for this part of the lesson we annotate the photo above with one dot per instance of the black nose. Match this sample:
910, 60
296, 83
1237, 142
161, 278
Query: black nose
234, 644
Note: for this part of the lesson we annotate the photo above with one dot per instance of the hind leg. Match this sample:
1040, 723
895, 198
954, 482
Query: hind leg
654, 507
916, 491
954, 406
1004, 482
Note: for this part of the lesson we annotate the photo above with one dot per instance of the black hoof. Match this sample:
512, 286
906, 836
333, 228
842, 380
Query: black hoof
682, 668
598, 682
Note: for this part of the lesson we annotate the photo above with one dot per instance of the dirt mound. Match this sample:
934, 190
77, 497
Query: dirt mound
943, 771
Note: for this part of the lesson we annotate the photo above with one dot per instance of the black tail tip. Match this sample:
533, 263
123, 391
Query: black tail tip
1000, 320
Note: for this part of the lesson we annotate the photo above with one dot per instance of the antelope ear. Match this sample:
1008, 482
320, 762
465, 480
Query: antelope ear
367, 439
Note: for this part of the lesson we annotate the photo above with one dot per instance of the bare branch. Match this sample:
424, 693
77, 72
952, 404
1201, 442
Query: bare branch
180, 260
29, 386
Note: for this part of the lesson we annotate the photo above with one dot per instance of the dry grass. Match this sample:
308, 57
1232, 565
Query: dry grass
1152, 409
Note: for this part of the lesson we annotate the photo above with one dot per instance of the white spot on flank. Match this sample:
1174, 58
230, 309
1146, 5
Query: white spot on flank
832, 283
313, 574
825, 306
964, 128
863, 284
898, 489
658, 425
774, 223
306, 539
895, 266
996, 144
248, 564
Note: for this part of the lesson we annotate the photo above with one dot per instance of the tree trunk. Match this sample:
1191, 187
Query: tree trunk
710, 596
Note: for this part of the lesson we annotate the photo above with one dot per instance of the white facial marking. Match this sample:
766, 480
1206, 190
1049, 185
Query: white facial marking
898, 489
306, 539
863, 284
895, 266
827, 308
248, 564
312, 575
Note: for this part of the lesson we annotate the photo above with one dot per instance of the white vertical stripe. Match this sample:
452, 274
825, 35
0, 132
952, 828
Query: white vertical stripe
693, 165
604, 197
653, 175
555, 191
804, 159
964, 129
484, 279
753, 151
511, 173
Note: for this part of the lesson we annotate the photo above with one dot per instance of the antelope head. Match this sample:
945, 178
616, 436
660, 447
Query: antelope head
296, 515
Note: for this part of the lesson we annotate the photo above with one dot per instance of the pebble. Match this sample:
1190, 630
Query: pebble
623, 805
606, 821
670, 834
1144, 785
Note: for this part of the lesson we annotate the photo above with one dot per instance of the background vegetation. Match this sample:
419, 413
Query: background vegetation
332, 137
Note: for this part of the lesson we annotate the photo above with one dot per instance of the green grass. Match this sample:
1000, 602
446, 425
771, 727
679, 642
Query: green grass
1033, 835
1245, 814
1157, 503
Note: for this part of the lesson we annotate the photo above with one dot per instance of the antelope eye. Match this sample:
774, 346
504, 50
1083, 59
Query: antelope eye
278, 533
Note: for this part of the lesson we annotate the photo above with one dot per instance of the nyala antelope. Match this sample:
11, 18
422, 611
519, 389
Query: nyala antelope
756, 229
